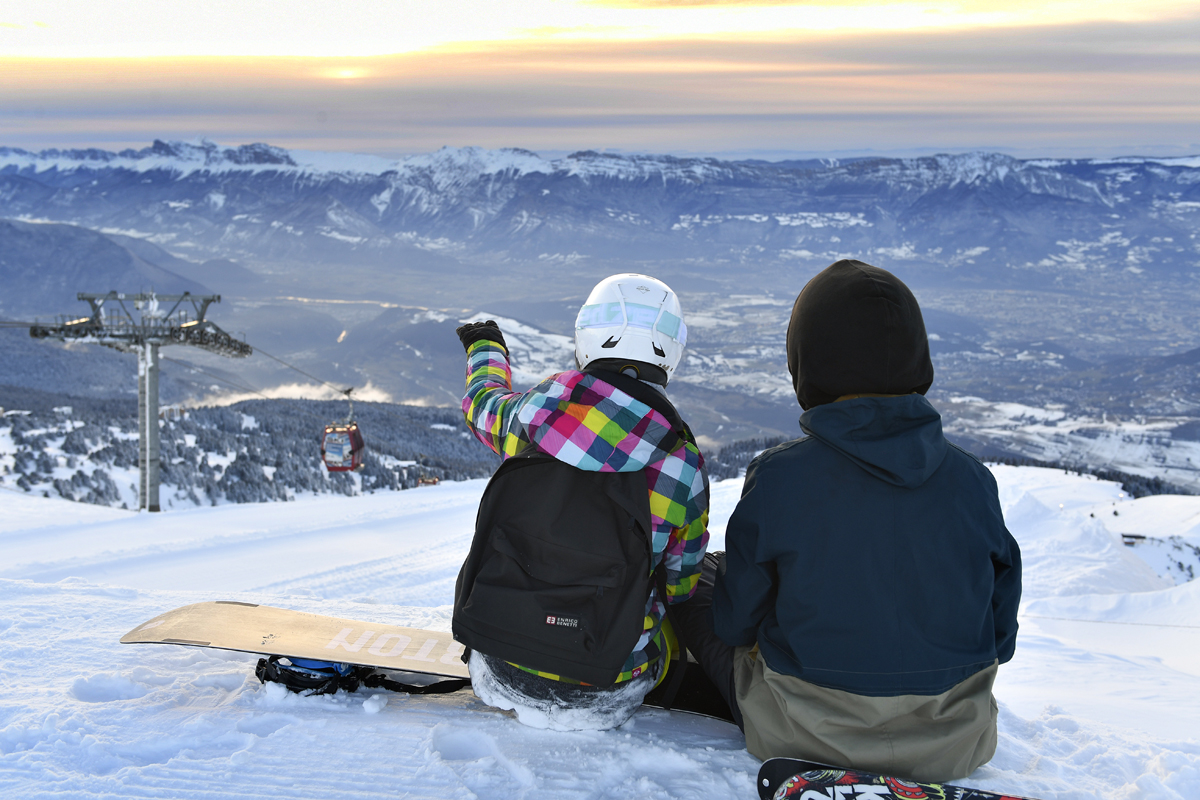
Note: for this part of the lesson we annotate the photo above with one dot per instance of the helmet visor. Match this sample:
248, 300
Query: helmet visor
633, 315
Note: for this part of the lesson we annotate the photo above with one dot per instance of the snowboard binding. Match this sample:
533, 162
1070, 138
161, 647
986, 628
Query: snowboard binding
307, 677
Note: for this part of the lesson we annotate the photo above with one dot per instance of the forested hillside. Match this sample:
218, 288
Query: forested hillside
254, 451
85, 449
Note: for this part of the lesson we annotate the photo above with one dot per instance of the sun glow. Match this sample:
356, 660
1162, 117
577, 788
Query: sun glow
343, 73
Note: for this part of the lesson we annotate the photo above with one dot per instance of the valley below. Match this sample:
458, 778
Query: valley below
1061, 291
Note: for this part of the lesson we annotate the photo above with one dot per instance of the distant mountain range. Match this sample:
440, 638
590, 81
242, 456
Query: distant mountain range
974, 217
1064, 283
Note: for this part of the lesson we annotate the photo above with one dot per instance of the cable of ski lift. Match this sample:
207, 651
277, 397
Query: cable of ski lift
302, 372
343, 448
225, 381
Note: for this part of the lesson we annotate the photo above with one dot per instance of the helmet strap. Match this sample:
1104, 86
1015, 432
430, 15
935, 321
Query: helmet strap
642, 371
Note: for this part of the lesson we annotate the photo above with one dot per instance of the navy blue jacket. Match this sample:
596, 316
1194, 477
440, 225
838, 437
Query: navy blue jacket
871, 556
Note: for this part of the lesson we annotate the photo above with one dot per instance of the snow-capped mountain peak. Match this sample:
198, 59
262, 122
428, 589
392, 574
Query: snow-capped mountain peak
229, 202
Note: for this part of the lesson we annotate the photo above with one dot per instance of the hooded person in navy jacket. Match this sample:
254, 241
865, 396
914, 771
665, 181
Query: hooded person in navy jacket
870, 587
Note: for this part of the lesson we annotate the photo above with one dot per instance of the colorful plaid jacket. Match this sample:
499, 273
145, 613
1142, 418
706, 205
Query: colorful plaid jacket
602, 430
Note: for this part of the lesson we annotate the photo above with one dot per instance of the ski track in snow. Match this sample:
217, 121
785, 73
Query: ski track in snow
423, 577
1101, 699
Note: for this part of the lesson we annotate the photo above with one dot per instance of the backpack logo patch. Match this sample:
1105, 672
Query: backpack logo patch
562, 622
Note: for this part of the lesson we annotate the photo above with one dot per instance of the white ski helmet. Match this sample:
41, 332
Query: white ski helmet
631, 317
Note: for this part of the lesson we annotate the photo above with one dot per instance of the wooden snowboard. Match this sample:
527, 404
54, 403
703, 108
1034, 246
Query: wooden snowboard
269, 631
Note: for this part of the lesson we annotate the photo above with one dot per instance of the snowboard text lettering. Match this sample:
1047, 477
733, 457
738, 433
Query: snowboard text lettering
423, 655
381, 642
394, 645
341, 641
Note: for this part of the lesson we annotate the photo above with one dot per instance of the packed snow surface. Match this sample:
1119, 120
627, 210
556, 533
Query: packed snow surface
1101, 700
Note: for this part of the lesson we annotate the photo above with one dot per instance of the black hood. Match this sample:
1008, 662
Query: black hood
897, 439
856, 329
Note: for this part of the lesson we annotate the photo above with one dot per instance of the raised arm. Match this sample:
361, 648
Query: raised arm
490, 404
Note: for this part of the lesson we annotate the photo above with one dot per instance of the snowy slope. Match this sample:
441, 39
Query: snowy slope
1101, 699
1142, 446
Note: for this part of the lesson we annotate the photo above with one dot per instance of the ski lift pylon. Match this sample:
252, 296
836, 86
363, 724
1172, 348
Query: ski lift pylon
342, 446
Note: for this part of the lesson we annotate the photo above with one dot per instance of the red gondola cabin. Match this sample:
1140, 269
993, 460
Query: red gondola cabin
342, 447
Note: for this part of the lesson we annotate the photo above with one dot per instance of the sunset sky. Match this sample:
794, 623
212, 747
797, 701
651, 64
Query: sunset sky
733, 78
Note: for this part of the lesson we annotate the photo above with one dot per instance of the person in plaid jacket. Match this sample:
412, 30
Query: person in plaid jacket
611, 414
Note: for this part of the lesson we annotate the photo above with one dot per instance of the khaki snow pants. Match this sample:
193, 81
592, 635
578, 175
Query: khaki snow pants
924, 738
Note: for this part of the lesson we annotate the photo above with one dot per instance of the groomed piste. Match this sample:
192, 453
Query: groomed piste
1102, 699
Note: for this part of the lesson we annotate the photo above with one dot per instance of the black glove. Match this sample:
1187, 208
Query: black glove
474, 331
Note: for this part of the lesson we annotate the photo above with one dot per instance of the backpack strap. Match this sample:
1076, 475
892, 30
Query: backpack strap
680, 432
378, 680
309, 680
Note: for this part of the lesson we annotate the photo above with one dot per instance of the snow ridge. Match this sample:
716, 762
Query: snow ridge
457, 166
180, 157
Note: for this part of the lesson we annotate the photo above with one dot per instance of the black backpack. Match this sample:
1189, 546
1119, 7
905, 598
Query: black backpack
559, 570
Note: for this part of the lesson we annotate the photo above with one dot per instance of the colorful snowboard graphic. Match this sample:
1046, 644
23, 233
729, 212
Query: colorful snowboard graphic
795, 779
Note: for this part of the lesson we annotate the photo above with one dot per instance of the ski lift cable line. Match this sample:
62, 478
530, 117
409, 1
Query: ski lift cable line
302, 372
225, 381
342, 445
7, 323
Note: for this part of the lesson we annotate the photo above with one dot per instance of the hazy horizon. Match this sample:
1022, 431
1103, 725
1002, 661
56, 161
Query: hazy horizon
765, 79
